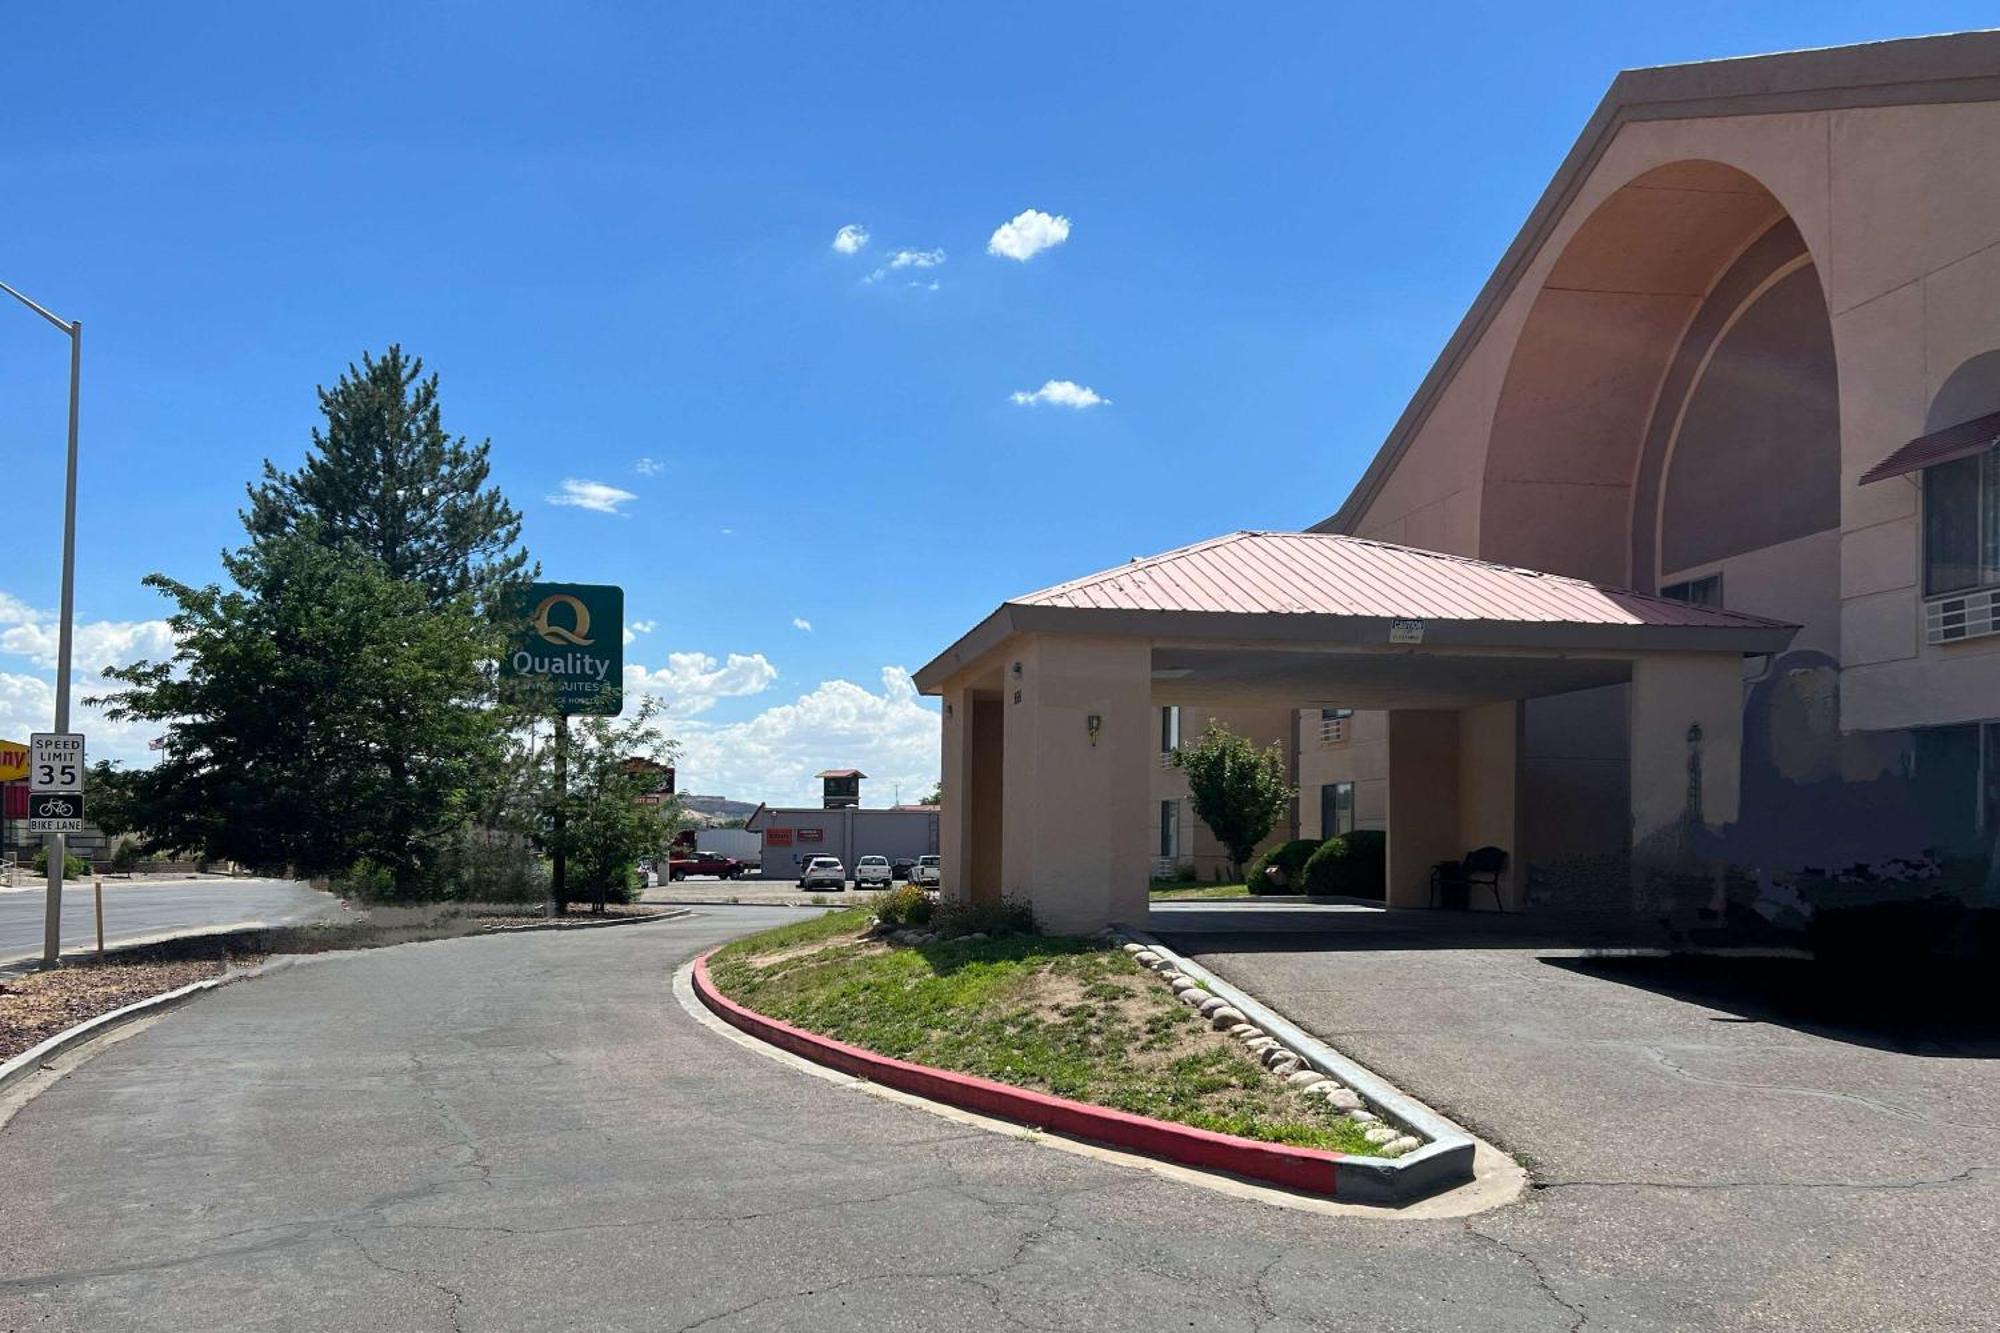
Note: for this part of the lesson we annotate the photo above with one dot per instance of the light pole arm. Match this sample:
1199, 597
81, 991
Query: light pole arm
43, 311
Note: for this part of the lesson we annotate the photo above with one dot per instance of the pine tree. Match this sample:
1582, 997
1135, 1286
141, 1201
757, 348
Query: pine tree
385, 478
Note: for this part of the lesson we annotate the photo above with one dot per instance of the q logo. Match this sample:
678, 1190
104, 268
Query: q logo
580, 621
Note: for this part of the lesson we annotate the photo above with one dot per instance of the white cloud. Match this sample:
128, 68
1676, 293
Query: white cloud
592, 495
1030, 233
637, 627
691, 683
800, 622
851, 239
94, 645
892, 736
649, 467
916, 259
1060, 393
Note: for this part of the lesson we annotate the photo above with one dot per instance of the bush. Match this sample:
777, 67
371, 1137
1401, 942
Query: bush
1289, 860
74, 866
125, 856
366, 882
904, 905
1353, 865
1004, 916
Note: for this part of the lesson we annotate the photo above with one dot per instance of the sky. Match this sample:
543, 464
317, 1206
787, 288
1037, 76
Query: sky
821, 329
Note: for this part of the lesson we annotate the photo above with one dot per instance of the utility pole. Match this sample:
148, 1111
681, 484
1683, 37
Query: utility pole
57, 844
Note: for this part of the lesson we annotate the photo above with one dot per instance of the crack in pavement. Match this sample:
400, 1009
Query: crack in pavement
1965, 1176
1666, 1062
454, 1310
1542, 1281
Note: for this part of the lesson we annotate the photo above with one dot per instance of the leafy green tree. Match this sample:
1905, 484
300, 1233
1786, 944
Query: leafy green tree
321, 712
384, 476
613, 815
936, 796
1239, 791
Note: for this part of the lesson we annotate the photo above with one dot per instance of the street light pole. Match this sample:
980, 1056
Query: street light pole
58, 843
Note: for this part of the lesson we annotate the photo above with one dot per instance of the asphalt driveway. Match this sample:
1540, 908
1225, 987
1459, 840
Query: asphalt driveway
1772, 1166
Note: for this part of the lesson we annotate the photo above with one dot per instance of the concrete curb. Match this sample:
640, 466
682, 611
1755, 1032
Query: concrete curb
586, 923
1307, 1170
1445, 1160
31, 1060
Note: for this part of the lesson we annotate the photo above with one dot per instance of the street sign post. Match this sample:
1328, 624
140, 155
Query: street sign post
573, 635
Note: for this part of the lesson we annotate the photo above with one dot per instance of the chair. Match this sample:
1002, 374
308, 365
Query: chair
1484, 866
1452, 882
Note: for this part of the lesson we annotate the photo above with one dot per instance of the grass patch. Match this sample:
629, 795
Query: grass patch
1177, 891
1061, 1015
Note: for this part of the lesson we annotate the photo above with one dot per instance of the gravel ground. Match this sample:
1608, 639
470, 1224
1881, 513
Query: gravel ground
38, 1005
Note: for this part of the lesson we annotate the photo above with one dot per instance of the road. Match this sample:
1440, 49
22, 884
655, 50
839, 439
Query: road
527, 1132
135, 909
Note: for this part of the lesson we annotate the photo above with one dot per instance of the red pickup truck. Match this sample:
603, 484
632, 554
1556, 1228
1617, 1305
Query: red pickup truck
686, 861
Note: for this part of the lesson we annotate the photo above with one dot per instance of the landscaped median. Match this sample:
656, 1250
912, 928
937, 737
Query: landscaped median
1091, 1038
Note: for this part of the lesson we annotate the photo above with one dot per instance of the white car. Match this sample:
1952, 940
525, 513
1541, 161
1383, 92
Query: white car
873, 872
925, 871
824, 872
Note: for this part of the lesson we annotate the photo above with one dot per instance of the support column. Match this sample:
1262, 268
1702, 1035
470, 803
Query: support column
1423, 801
1074, 842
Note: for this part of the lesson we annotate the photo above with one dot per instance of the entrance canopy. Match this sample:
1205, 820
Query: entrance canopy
1238, 610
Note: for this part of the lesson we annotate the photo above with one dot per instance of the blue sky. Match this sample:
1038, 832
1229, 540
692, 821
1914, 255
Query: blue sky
609, 228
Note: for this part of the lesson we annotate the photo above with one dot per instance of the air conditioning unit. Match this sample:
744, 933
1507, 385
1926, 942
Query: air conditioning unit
1964, 615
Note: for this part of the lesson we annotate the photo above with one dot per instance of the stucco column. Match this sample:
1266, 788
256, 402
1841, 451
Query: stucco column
1074, 842
954, 832
1687, 744
1423, 801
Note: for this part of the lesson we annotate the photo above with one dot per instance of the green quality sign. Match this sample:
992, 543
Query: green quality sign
574, 635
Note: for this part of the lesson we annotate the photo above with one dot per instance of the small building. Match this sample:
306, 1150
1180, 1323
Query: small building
840, 788
792, 836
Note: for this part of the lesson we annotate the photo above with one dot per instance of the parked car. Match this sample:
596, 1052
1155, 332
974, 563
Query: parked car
925, 871
686, 862
824, 872
900, 867
873, 872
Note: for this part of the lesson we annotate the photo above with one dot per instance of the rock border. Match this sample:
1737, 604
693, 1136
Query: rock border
1430, 1153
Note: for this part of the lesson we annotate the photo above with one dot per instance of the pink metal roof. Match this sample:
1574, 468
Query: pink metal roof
841, 773
1324, 573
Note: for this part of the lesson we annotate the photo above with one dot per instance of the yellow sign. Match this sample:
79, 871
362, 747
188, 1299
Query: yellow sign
579, 620
13, 761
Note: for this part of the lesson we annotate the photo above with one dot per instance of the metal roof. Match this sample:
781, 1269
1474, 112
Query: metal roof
1330, 590
1324, 573
841, 773
1940, 446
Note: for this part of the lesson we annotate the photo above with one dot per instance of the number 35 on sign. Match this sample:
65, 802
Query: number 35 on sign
55, 761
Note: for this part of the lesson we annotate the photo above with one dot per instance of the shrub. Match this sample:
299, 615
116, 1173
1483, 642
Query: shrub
1003, 916
1352, 865
1289, 860
74, 866
904, 905
366, 882
479, 867
125, 856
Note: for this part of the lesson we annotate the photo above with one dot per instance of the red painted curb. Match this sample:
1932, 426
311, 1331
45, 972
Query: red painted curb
1308, 1170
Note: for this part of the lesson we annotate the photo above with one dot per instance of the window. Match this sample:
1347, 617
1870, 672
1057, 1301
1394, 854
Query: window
1170, 828
1333, 725
1170, 728
1962, 523
1336, 809
1704, 591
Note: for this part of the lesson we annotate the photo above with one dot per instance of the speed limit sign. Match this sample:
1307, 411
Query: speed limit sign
55, 762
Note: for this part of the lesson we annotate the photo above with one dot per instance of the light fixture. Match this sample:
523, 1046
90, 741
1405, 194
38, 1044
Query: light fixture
1094, 724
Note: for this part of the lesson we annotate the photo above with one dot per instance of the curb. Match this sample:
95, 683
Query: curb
1307, 1170
560, 923
1446, 1158
31, 1060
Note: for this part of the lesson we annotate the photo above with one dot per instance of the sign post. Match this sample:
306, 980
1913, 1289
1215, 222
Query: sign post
572, 635
55, 808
